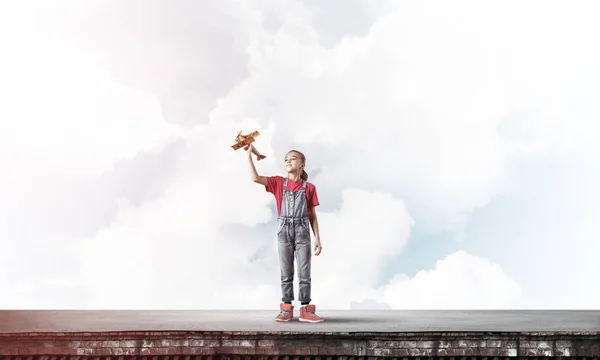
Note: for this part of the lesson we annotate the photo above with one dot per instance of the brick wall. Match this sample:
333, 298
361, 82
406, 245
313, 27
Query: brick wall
326, 346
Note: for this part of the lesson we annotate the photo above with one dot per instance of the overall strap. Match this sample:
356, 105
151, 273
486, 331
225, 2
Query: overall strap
304, 184
285, 183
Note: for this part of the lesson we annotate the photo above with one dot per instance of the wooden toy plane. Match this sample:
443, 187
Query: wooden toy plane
243, 141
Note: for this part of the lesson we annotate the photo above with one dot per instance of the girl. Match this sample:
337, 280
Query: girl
296, 200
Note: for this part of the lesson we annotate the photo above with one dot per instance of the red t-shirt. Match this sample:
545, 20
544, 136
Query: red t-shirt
275, 187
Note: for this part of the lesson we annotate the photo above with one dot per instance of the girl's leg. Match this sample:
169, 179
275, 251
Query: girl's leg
286, 263
303, 258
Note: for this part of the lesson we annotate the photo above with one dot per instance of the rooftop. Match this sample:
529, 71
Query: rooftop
27, 321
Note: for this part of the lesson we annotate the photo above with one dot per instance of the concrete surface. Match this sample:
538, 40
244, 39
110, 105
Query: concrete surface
12, 321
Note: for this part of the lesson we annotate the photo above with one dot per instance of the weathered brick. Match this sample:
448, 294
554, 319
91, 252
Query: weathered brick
162, 351
506, 351
407, 344
464, 343
93, 344
110, 343
66, 351
373, 344
424, 344
526, 344
128, 343
493, 343
563, 343
206, 342
266, 343
543, 345
178, 346
169, 343
128, 351
230, 343
459, 352
590, 352
322, 351
563, 351
393, 344
361, 350
379, 352
224, 350
491, 351
399, 352
534, 352
421, 352
247, 343
87, 352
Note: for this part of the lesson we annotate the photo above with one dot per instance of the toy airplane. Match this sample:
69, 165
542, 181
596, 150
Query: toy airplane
243, 141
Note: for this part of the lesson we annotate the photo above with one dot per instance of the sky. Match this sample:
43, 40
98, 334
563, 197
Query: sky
453, 146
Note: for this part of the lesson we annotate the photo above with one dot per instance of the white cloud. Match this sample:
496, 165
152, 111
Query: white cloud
64, 119
185, 53
68, 117
174, 245
45, 293
460, 281
369, 304
392, 107
414, 120
429, 106
367, 230
544, 231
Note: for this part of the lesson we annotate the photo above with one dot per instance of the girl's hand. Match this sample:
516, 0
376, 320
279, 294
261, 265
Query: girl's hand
318, 247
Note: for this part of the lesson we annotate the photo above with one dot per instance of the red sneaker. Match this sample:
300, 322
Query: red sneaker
286, 312
307, 314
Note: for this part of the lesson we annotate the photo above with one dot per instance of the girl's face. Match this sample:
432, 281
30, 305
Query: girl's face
293, 162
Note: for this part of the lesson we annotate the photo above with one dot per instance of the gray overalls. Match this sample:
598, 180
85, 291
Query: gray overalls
293, 236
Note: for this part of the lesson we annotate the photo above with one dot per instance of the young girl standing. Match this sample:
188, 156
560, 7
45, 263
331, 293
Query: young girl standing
296, 200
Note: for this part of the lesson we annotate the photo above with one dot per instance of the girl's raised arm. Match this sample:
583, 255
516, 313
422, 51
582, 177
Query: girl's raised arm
253, 173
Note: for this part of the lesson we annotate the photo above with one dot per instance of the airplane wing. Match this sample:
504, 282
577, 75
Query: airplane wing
241, 144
